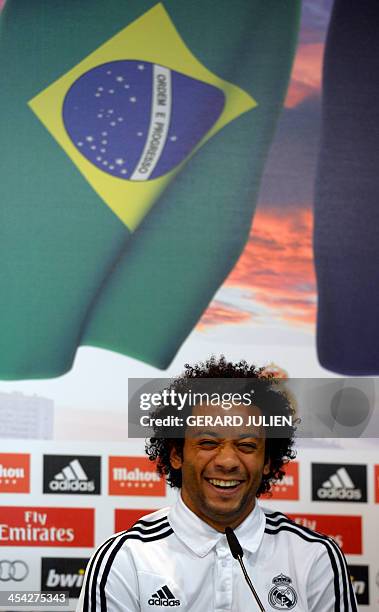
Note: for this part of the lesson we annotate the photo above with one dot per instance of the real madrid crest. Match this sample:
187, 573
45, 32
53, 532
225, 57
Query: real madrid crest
282, 595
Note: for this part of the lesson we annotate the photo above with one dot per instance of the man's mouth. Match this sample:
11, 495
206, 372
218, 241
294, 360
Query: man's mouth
224, 484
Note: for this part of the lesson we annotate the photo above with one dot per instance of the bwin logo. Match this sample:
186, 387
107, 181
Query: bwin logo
72, 478
339, 486
359, 587
163, 597
64, 580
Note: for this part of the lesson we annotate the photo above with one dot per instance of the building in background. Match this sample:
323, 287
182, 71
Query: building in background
23, 416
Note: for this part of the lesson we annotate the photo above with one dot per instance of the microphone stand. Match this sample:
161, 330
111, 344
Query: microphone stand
237, 552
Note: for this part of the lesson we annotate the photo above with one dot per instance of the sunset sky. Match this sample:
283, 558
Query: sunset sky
275, 275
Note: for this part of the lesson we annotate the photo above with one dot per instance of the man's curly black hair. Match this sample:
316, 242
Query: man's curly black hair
267, 396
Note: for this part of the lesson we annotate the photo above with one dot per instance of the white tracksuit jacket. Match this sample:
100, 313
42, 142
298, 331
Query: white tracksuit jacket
172, 559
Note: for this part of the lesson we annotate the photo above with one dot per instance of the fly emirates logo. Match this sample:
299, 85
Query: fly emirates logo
46, 526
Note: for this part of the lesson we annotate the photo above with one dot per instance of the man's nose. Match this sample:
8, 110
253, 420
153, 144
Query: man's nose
227, 457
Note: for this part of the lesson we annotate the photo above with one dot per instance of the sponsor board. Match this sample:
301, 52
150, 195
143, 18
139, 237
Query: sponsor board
376, 476
345, 530
288, 487
63, 574
360, 580
124, 518
71, 474
134, 476
31, 526
14, 473
335, 482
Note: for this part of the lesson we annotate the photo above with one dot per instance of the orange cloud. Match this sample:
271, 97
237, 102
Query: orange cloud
306, 74
275, 271
219, 314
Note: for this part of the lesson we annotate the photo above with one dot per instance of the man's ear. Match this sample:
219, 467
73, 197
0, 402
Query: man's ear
267, 467
176, 459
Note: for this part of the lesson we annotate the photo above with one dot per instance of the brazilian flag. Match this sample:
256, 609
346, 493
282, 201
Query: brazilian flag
134, 135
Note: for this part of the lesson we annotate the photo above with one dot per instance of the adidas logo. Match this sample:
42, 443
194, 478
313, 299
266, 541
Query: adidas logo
72, 478
163, 597
339, 486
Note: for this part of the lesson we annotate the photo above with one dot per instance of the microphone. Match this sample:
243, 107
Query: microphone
237, 552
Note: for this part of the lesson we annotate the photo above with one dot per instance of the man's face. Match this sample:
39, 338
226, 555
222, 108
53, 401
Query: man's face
222, 468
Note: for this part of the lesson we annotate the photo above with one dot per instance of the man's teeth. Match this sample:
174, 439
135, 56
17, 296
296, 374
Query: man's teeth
224, 483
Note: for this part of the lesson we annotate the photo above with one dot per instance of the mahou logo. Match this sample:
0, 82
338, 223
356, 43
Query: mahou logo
288, 487
46, 526
71, 474
345, 530
125, 518
134, 476
14, 473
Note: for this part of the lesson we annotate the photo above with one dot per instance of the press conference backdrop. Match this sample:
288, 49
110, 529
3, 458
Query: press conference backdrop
60, 500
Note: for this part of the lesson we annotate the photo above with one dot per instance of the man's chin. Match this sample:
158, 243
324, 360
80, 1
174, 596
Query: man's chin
222, 513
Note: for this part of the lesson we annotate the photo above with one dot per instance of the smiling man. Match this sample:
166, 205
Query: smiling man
179, 556
221, 469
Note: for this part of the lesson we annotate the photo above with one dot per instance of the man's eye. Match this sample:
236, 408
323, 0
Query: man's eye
247, 446
208, 443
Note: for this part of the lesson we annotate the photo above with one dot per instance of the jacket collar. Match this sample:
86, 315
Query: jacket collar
201, 537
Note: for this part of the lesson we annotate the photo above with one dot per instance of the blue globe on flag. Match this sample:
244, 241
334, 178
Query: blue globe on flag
136, 120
